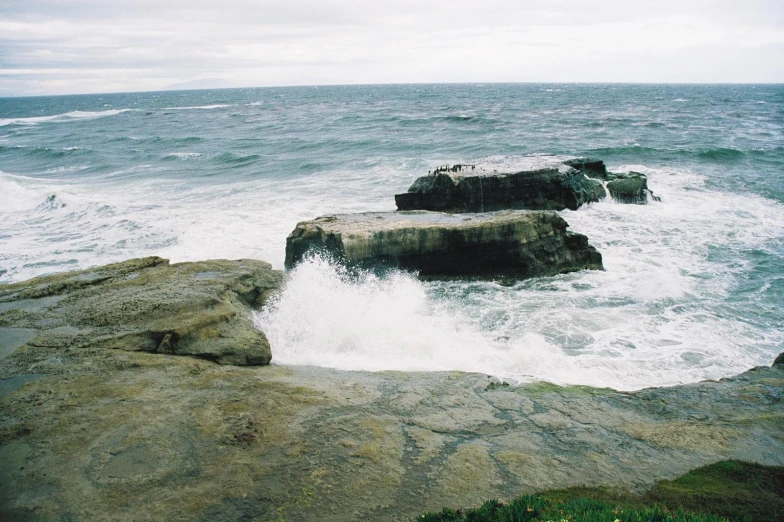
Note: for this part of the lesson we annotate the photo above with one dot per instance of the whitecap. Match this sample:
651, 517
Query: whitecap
197, 107
65, 117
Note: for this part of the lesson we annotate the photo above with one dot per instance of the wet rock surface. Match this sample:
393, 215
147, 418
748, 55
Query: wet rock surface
534, 183
514, 244
201, 309
631, 187
113, 435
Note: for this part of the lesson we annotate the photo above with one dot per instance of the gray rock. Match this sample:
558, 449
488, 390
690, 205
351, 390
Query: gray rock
514, 243
631, 187
201, 309
535, 183
591, 167
779, 359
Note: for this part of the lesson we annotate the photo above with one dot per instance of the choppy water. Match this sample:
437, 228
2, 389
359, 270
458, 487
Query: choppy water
694, 286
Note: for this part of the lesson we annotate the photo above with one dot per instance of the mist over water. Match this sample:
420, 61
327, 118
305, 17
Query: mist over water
693, 286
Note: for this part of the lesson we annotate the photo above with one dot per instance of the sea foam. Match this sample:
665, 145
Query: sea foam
64, 117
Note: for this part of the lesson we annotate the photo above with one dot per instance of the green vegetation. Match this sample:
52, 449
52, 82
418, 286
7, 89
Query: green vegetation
729, 490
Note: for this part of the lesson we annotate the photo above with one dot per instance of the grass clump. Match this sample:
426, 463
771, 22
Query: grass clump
721, 492
736, 490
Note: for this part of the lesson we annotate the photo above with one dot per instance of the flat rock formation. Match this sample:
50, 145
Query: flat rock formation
535, 183
201, 309
105, 435
513, 243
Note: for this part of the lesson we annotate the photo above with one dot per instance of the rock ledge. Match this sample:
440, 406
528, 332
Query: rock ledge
201, 309
512, 243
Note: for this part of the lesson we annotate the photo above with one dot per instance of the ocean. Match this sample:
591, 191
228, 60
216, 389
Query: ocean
693, 287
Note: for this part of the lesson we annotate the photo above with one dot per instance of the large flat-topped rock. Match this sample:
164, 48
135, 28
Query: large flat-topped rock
529, 182
514, 243
201, 309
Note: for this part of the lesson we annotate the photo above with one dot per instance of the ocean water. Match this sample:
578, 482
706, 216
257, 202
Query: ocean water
693, 287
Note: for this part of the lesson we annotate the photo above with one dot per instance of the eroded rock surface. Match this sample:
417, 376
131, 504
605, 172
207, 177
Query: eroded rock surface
535, 183
516, 244
131, 436
201, 309
631, 187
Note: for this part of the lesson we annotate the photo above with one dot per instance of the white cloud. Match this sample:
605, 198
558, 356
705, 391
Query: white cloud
90, 46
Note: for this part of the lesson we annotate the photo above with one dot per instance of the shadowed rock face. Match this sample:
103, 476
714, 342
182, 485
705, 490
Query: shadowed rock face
201, 309
516, 244
593, 168
545, 184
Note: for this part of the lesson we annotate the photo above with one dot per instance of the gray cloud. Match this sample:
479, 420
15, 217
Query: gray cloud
49, 46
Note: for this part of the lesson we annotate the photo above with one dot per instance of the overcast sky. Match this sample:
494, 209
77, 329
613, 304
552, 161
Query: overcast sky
81, 46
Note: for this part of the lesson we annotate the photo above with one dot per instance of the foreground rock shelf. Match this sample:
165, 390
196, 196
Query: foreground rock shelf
201, 309
517, 244
132, 436
534, 183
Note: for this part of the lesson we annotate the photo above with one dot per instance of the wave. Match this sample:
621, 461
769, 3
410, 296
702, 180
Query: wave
59, 118
16, 195
721, 154
230, 158
662, 313
198, 107
45, 152
173, 156
718, 155
459, 118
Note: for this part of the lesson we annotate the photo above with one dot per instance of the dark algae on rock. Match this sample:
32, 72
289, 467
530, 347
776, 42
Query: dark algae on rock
201, 309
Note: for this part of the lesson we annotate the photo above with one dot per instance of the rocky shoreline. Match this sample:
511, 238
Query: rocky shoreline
112, 406
92, 432
100, 434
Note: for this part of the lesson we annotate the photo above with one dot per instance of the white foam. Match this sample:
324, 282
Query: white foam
658, 315
198, 107
20, 193
184, 155
65, 117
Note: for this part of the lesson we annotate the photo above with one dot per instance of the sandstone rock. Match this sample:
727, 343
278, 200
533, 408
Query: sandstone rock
535, 183
513, 243
130, 436
201, 309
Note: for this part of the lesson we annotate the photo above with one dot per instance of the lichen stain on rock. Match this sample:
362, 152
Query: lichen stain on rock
468, 476
683, 435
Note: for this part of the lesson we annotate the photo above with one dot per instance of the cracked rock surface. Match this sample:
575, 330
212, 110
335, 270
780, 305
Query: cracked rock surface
96, 434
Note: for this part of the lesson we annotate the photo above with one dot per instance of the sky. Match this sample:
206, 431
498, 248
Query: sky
88, 46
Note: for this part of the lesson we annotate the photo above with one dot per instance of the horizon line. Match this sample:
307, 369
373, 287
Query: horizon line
175, 89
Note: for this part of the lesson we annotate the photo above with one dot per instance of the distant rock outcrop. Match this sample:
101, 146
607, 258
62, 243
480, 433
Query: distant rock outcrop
534, 183
201, 309
516, 244
591, 167
630, 187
